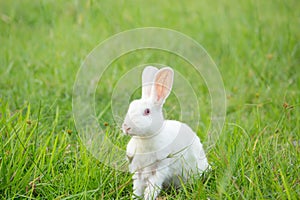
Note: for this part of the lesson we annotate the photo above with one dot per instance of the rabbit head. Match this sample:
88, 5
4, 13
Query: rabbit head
144, 117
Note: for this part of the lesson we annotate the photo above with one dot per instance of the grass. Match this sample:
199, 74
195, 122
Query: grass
254, 43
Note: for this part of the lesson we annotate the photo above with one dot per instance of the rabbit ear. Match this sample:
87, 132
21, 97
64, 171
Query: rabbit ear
163, 82
147, 81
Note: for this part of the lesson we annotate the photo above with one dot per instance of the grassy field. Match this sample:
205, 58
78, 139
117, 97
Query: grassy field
255, 44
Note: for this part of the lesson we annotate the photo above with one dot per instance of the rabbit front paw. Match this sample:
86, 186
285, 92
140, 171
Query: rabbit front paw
151, 192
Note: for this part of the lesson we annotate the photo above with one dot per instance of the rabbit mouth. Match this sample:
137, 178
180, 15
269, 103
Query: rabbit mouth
128, 130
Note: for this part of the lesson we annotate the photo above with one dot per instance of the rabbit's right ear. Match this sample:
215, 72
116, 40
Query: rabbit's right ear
163, 83
147, 81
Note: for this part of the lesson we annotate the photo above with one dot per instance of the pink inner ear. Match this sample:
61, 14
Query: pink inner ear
161, 85
158, 91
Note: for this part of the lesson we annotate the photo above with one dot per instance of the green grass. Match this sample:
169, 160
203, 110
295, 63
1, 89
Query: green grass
255, 44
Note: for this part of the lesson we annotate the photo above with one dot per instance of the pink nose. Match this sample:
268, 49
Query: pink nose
126, 128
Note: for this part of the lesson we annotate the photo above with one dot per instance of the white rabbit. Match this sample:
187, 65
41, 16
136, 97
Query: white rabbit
160, 151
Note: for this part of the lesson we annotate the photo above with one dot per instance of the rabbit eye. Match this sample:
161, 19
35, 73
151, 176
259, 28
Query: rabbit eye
147, 111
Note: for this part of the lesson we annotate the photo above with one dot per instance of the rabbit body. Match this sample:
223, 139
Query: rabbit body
160, 151
153, 166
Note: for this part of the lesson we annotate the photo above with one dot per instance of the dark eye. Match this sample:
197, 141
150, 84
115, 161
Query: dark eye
147, 111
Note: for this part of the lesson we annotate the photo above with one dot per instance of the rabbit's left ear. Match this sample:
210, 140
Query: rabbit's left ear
147, 81
163, 82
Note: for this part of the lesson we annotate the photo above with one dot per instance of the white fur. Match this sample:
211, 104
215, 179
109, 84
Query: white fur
160, 151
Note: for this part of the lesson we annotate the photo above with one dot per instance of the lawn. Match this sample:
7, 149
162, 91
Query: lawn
255, 44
